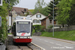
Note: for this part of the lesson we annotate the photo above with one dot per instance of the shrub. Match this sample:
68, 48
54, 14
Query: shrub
33, 31
38, 28
51, 26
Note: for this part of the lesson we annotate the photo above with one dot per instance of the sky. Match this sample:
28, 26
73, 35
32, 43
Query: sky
30, 4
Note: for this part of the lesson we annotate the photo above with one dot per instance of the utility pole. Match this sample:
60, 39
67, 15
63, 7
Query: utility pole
0, 16
11, 16
53, 18
1, 2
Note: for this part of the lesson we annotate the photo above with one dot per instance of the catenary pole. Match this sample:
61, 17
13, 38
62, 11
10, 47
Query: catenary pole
53, 17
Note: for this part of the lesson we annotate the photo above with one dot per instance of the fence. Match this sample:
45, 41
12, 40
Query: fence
62, 29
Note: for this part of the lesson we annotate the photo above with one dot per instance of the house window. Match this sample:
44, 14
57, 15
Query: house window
54, 21
36, 21
38, 16
50, 21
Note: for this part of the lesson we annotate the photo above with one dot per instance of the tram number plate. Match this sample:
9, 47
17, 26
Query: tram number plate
23, 37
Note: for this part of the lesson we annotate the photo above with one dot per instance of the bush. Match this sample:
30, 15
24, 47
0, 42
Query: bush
38, 28
51, 26
4, 28
33, 31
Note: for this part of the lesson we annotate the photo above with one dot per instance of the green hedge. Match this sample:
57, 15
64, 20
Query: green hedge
4, 29
3, 14
38, 28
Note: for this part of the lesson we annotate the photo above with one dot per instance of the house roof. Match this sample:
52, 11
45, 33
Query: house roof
20, 11
37, 13
42, 14
44, 18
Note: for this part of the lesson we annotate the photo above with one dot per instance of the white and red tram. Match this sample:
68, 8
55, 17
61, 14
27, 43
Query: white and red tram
22, 31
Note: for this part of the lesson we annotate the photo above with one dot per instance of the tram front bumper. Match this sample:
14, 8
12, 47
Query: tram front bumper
22, 40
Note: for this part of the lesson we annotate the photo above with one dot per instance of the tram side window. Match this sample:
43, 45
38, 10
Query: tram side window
31, 27
14, 29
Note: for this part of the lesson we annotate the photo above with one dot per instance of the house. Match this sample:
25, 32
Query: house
40, 19
37, 18
17, 11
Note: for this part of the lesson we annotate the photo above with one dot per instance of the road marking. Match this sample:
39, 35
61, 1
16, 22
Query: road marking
65, 46
69, 47
58, 44
38, 46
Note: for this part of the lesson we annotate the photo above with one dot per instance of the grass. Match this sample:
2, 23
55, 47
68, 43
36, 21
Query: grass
31, 10
68, 35
9, 33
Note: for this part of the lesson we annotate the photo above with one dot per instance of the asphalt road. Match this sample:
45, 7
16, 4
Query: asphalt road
53, 43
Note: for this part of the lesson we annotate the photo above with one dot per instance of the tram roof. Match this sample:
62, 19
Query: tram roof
23, 20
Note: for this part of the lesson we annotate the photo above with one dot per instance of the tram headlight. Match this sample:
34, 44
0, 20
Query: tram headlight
17, 37
29, 37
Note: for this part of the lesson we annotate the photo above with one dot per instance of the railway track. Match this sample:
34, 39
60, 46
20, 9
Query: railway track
13, 47
21, 46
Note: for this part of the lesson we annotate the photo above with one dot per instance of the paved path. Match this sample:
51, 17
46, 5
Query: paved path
53, 43
2, 46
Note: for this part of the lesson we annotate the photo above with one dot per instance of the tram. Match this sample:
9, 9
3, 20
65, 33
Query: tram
22, 31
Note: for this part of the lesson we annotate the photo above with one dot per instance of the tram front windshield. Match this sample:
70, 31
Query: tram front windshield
23, 27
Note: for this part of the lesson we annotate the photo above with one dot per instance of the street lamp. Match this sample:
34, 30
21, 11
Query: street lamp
53, 17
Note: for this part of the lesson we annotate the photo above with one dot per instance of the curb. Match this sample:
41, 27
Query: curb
38, 46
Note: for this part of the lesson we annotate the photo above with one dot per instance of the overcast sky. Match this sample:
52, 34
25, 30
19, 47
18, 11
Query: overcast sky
30, 4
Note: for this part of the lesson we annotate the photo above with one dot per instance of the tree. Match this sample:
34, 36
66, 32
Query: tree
71, 20
3, 13
50, 8
64, 7
39, 5
47, 10
11, 3
43, 11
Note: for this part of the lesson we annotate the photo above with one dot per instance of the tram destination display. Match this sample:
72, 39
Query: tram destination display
22, 22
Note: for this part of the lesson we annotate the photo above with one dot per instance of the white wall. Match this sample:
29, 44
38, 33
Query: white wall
35, 18
36, 23
42, 17
47, 23
9, 20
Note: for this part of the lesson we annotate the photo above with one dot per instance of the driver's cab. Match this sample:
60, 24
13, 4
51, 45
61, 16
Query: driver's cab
22, 28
